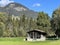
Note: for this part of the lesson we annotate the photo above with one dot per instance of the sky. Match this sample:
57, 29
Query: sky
47, 6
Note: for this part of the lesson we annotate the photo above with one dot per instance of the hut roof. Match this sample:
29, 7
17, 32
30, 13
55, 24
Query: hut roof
36, 30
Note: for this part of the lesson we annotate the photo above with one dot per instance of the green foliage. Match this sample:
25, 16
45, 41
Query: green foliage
55, 22
43, 20
17, 26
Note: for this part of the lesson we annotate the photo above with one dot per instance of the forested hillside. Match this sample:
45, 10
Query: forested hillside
16, 26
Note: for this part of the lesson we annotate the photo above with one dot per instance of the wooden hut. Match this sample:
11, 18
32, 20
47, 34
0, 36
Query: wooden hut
36, 35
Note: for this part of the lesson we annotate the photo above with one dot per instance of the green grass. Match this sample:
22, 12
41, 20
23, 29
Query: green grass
20, 41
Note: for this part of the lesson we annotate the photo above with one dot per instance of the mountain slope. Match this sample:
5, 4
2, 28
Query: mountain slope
18, 10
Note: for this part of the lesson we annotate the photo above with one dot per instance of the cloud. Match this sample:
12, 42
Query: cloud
36, 5
5, 2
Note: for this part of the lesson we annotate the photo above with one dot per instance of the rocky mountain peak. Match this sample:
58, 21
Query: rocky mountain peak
18, 9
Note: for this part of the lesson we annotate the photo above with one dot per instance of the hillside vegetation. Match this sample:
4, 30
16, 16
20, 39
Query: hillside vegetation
17, 26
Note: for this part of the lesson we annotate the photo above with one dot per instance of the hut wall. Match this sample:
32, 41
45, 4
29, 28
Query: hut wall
43, 38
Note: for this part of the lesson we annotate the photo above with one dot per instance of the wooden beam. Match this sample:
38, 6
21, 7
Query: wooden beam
33, 35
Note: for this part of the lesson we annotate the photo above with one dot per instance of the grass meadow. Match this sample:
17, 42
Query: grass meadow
20, 41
